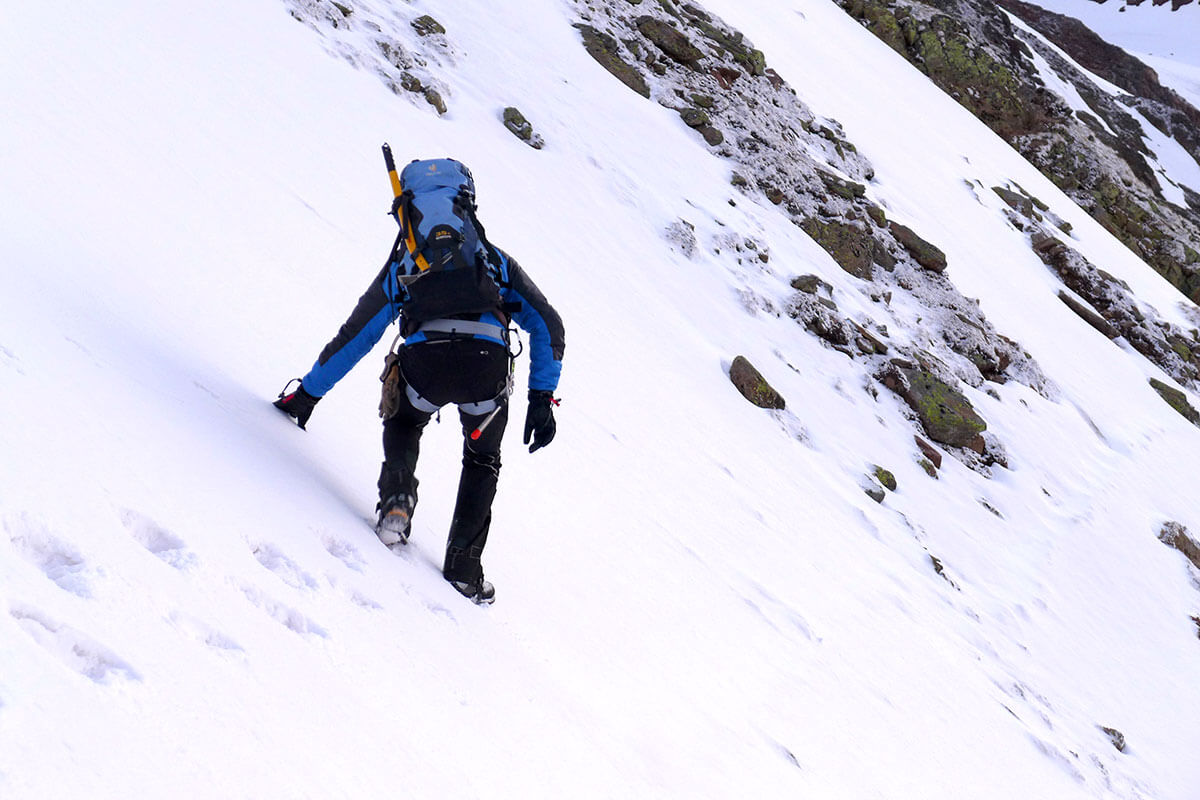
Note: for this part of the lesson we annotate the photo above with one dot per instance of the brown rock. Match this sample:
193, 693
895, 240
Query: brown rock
669, 40
1089, 316
753, 386
924, 253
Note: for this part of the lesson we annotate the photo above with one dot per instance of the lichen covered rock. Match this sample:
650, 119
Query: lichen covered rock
849, 245
522, 128
607, 53
945, 414
1176, 400
753, 386
669, 39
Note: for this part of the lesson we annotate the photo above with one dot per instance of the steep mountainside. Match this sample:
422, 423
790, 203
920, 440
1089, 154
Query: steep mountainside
1015, 82
876, 457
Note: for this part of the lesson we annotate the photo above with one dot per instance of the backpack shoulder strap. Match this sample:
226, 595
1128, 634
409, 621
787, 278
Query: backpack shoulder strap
493, 256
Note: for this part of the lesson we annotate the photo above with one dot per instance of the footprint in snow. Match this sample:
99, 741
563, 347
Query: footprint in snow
73, 648
779, 615
439, 609
203, 632
285, 615
56, 558
345, 552
283, 567
160, 542
10, 360
362, 601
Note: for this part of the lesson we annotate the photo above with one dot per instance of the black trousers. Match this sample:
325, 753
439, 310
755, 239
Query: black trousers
459, 371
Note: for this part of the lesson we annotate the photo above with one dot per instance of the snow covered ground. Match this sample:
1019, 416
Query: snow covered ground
695, 596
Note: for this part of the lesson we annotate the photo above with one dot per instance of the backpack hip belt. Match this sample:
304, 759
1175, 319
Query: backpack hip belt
465, 328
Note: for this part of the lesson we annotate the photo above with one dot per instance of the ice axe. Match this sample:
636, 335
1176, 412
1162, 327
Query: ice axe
391, 168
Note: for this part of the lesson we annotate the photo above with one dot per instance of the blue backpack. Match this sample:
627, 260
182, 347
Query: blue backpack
446, 266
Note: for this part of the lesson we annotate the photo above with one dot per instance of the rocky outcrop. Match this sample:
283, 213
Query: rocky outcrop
972, 51
785, 154
1107, 305
924, 253
1116, 737
607, 52
850, 245
1176, 535
1176, 400
1089, 315
407, 66
1165, 109
669, 40
945, 414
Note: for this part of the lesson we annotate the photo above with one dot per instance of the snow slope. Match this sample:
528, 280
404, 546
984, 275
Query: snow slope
695, 597
1163, 39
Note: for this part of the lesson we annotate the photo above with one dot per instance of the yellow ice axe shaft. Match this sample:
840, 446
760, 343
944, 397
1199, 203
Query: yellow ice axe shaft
391, 168
410, 237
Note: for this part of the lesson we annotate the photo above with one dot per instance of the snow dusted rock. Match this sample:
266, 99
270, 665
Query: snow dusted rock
427, 26
1097, 155
1176, 535
924, 253
522, 128
946, 414
785, 154
811, 284
682, 236
850, 245
1116, 737
931, 454
407, 61
819, 315
1111, 308
669, 40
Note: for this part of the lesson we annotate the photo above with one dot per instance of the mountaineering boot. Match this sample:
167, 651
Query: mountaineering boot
397, 499
465, 573
480, 591
395, 519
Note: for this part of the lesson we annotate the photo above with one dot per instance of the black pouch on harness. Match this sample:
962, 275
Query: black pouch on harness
447, 293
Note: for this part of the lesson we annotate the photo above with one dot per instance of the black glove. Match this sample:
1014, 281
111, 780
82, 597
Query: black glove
539, 419
298, 404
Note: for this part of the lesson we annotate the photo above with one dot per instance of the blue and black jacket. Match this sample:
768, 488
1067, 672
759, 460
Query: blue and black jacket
383, 303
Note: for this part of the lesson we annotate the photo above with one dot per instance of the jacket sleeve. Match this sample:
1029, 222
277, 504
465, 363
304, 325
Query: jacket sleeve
370, 318
547, 339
